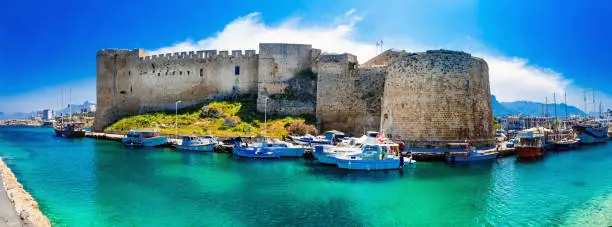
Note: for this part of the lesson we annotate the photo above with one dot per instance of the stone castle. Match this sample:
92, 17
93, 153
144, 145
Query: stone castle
425, 99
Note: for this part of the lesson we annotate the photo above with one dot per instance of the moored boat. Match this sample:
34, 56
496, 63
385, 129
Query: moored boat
471, 154
565, 144
372, 157
268, 147
73, 130
592, 132
247, 151
532, 143
144, 138
195, 143
327, 154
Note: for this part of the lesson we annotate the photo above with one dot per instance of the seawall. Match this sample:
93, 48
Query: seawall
25, 205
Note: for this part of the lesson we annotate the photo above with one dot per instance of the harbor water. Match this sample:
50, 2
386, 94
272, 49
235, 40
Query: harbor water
87, 182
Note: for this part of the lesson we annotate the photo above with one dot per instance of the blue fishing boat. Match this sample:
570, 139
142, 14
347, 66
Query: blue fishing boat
592, 132
327, 154
373, 157
252, 151
471, 154
144, 138
309, 140
278, 148
195, 143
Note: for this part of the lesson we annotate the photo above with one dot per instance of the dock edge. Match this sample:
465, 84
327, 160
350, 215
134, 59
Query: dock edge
24, 204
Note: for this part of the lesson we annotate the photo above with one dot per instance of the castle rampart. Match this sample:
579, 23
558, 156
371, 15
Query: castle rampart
426, 99
437, 97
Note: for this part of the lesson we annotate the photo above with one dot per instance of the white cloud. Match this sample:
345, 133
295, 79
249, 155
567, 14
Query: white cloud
512, 78
248, 31
515, 79
50, 97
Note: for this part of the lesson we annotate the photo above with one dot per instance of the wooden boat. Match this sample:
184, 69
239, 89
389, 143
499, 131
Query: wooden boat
73, 130
58, 129
565, 144
195, 143
592, 132
144, 138
532, 143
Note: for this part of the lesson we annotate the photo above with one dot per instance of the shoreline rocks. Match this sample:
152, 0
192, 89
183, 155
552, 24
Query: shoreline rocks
26, 207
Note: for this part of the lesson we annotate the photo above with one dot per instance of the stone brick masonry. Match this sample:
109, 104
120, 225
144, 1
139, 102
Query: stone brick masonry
426, 99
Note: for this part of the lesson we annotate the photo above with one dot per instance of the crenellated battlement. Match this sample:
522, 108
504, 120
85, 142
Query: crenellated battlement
201, 54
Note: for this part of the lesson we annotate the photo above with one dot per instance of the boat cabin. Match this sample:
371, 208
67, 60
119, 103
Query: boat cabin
531, 139
144, 132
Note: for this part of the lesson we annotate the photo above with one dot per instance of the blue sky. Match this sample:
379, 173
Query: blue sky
533, 48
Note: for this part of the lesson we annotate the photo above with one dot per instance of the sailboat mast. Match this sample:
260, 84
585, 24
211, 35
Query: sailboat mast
594, 108
546, 107
62, 114
555, 102
565, 94
585, 104
69, 104
265, 116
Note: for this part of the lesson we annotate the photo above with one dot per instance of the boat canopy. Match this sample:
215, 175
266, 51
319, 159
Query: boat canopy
335, 132
145, 130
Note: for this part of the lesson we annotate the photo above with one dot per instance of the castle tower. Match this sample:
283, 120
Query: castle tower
437, 97
114, 77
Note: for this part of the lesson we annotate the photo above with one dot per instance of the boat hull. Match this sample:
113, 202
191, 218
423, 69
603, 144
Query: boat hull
287, 151
58, 132
386, 164
324, 158
470, 158
565, 146
530, 153
73, 134
253, 152
592, 135
208, 147
145, 142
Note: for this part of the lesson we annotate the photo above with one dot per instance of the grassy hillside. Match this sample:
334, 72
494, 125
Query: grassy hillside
221, 118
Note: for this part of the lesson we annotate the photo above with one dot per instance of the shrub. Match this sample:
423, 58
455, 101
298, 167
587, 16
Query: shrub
300, 128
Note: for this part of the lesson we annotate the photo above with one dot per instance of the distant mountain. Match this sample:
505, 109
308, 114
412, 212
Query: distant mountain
531, 108
73, 108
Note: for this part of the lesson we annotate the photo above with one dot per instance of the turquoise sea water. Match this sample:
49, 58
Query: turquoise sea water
86, 182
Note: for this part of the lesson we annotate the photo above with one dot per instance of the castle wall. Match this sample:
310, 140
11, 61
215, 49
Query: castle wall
437, 97
285, 78
348, 98
154, 83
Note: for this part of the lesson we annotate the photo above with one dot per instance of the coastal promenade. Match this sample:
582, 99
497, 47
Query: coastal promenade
17, 207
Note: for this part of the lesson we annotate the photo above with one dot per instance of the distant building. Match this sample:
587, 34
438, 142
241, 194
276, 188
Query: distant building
88, 108
48, 115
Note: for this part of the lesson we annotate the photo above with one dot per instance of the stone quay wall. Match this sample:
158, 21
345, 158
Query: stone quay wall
25, 206
438, 97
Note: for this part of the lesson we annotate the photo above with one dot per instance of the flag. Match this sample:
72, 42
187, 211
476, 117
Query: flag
381, 136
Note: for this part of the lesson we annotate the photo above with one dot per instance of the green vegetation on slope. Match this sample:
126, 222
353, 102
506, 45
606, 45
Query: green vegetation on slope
220, 118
